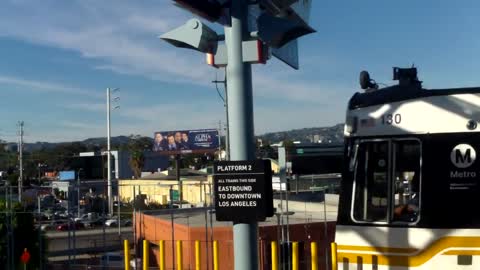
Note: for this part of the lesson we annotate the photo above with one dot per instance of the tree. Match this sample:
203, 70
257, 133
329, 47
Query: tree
136, 162
136, 147
24, 235
289, 145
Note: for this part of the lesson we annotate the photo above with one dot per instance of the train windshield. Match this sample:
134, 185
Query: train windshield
387, 181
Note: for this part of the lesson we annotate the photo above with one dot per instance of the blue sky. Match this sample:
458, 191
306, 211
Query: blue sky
58, 57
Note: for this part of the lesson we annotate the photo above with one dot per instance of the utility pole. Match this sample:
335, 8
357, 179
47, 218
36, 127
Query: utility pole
109, 157
241, 133
225, 104
109, 154
20, 159
220, 140
109, 163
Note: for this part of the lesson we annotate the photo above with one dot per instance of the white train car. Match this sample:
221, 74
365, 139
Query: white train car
410, 194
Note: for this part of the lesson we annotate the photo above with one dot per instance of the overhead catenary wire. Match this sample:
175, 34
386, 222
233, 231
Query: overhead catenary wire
216, 82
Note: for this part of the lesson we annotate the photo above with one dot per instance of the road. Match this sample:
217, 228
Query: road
87, 241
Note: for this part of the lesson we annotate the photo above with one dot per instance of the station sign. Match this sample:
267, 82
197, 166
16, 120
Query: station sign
243, 190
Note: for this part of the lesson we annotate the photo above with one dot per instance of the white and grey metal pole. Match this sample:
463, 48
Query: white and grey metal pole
240, 110
78, 192
109, 160
227, 139
20, 159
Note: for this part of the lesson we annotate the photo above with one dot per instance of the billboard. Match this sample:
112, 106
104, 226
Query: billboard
66, 175
185, 141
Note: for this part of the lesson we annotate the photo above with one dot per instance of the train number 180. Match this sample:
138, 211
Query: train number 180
391, 119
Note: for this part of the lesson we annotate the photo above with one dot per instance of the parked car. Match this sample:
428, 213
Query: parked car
115, 203
112, 259
111, 222
94, 223
71, 225
50, 226
81, 218
127, 222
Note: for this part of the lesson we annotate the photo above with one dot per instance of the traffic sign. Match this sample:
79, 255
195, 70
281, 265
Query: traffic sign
243, 190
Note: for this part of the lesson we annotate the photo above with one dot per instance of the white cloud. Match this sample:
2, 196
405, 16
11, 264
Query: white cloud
121, 33
89, 107
121, 36
124, 35
44, 86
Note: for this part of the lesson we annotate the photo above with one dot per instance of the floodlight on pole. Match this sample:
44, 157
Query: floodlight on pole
193, 35
285, 21
109, 161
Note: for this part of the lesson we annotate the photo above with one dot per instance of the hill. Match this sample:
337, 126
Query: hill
332, 134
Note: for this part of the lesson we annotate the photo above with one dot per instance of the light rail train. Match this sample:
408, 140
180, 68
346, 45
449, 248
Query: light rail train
410, 193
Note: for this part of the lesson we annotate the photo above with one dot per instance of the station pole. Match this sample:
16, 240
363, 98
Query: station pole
241, 134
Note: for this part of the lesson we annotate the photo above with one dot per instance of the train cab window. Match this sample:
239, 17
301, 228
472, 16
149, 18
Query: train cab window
406, 175
386, 181
371, 182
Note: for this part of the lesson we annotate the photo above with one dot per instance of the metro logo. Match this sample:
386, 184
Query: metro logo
463, 155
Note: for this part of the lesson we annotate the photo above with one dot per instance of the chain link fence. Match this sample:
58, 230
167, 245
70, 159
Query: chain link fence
74, 230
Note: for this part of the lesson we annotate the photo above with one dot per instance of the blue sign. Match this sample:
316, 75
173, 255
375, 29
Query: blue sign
66, 175
186, 141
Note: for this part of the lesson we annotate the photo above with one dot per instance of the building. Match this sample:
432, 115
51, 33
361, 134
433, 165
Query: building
163, 187
94, 164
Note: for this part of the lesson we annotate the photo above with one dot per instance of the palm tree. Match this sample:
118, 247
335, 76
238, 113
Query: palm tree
136, 146
136, 162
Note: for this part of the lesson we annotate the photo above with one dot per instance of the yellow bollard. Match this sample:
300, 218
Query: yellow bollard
314, 254
197, 255
179, 255
334, 256
145, 255
161, 251
274, 256
295, 256
126, 250
215, 255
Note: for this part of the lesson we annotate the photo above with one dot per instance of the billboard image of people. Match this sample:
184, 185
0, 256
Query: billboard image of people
185, 141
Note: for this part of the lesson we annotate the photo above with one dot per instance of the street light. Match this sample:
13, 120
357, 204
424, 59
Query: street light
109, 162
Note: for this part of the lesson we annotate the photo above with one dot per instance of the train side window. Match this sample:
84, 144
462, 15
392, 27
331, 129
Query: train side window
406, 176
370, 202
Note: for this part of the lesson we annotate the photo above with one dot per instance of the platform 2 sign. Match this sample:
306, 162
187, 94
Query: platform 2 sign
243, 190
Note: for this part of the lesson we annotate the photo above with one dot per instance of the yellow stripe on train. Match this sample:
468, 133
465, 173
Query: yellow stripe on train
411, 257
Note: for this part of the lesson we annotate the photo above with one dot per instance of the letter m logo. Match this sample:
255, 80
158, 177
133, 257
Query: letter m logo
463, 155
463, 158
